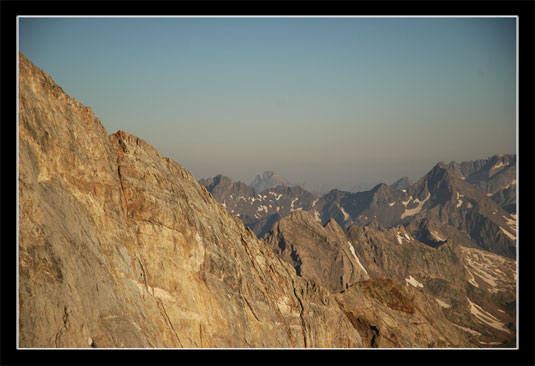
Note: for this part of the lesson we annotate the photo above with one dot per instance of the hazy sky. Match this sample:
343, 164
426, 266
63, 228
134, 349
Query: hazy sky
337, 101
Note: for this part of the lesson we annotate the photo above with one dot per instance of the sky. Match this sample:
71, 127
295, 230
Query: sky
336, 101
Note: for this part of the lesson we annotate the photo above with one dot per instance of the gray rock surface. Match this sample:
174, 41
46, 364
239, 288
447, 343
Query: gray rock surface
317, 252
495, 176
441, 196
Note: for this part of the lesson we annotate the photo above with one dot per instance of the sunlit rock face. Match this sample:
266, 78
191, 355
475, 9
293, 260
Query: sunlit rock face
121, 247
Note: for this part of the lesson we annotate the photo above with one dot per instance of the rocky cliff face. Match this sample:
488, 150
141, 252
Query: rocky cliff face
121, 247
316, 252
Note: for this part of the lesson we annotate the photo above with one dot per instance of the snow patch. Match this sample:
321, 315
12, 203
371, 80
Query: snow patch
262, 208
472, 280
468, 330
352, 249
399, 238
511, 223
486, 317
496, 271
314, 202
413, 282
443, 304
414, 211
346, 215
459, 203
511, 236
391, 204
436, 236
292, 204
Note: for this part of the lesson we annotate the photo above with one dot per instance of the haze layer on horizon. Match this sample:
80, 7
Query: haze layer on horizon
338, 101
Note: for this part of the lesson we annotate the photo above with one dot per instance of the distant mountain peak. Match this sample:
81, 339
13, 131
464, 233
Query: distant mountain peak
268, 174
402, 183
440, 166
381, 187
268, 179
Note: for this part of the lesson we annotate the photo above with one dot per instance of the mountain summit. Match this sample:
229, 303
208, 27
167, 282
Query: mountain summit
268, 179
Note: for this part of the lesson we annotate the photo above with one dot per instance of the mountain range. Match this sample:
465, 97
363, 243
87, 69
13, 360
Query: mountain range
121, 247
442, 198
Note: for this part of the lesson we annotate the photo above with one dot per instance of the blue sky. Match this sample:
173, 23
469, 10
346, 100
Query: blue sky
337, 101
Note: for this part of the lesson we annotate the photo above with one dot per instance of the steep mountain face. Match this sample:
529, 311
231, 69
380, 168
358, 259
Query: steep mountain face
495, 176
121, 247
401, 183
258, 211
268, 179
461, 211
362, 208
317, 252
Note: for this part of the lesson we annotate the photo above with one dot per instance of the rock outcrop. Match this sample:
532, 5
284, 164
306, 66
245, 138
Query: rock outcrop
121, 247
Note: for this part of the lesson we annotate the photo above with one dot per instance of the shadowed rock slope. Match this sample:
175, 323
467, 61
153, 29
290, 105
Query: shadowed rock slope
121, 247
